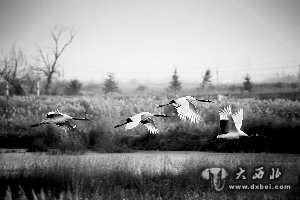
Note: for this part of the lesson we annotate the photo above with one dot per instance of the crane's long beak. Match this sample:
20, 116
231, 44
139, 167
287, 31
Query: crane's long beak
202, 100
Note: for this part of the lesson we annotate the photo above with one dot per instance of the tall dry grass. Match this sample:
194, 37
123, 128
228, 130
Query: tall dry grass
264, 117
131, 176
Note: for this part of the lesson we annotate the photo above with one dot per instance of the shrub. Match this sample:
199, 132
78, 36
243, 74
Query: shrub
73, 87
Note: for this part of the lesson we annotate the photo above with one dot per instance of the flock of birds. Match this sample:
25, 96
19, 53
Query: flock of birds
183, 107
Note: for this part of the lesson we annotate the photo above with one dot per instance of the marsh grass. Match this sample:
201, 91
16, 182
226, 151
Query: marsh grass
131, 176
268, 118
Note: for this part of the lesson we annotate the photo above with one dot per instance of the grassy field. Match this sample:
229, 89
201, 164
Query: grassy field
268, 118
140, 175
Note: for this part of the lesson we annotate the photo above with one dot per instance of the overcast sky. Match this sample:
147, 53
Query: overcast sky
146, 39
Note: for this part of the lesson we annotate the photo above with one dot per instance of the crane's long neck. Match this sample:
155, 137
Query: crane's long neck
80, 118
202, 100
120, 125
163, 105
170, 103
35, 125
161, 116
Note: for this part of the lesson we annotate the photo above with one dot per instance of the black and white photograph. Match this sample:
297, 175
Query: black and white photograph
149, 99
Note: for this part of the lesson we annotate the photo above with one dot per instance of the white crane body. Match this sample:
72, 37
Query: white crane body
233, 131
186, 108
60, 119
144, 118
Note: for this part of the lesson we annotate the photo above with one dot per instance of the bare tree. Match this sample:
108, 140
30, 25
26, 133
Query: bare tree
14, 70
50, 59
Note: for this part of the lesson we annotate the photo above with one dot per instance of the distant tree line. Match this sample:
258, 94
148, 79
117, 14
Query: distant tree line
176, 84
23, 76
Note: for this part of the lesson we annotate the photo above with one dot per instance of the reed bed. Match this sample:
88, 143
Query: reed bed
142, 175
268, 118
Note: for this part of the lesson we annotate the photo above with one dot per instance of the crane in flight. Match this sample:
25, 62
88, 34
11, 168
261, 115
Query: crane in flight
61, 120
185, 108
231, 131
145, 119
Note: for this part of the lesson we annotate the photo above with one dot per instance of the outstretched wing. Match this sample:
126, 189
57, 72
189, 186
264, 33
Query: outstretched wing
149, 123
187, 110
226, 119
238, 119
193, 115
226, 111
183, 109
